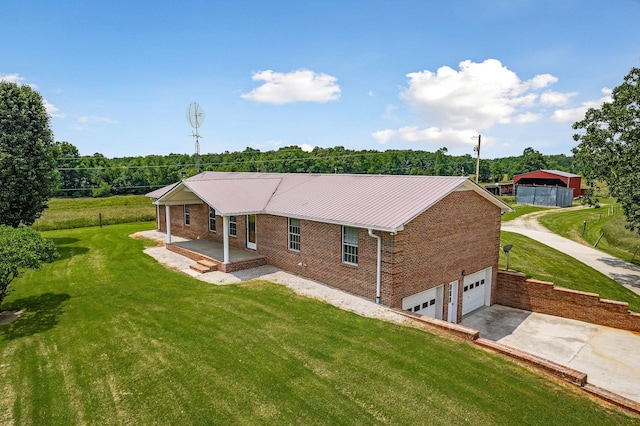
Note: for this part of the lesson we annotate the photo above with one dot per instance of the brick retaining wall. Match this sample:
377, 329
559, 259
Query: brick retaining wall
518, 291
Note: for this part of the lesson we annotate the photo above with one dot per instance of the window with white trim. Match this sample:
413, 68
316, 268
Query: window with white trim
294, 234
212, 219
187, 215
233, 226
350, 245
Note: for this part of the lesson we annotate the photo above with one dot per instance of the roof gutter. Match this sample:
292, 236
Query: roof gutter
378, 264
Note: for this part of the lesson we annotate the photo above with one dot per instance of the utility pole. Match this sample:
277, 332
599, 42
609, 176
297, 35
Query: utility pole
477, 150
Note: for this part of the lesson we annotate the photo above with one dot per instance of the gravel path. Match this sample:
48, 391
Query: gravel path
300, 285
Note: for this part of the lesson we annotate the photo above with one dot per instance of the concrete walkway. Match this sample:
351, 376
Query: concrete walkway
623, 272
609, 356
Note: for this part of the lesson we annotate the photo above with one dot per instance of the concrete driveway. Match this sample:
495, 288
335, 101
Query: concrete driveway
610, 357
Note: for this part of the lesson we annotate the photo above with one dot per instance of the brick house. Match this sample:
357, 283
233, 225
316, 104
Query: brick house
428, 244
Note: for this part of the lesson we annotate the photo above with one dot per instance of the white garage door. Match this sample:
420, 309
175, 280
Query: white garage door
476, 290
427, 303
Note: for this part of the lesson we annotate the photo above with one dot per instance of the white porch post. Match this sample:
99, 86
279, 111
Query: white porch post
167, 217
225, 238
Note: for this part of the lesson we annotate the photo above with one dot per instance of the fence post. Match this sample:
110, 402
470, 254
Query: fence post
596, 244
100, 218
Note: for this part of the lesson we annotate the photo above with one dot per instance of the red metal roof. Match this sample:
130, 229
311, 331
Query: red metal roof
551, 177
546, 173
384, 202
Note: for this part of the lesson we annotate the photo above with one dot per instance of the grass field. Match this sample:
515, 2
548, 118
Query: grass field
108, 336
607, 222
544, 263
67, 213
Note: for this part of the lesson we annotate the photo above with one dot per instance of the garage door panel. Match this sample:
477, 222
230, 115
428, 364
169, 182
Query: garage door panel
424, 303
476, 286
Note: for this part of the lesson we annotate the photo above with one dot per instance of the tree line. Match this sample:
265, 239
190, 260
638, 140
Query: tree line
99, 176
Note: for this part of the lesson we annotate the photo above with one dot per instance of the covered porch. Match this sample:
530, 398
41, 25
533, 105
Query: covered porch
211, 255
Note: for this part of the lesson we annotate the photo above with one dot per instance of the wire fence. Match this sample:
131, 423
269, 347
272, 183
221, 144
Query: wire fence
80, 220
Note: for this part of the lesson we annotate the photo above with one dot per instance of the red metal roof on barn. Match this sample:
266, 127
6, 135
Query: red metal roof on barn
546, 174
547, 177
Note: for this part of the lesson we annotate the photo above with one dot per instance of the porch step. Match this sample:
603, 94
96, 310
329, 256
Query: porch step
204, 266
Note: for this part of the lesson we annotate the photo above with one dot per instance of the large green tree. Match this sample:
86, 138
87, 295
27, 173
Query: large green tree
28, 176
532, 160
609, 147
21, 248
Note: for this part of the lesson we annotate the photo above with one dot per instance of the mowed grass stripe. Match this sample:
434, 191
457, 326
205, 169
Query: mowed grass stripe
111, 337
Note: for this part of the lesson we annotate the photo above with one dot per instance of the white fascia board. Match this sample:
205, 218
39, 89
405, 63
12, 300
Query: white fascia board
173, 197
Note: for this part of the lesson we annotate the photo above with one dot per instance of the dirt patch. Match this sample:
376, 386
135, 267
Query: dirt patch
7, 317
149, 237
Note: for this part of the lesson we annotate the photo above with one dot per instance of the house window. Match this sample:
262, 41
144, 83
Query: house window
233, 228
212, 219
350, 245
187, 215
294, 234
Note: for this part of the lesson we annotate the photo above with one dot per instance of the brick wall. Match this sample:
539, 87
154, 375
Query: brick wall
461, 232
519, 291
320, 255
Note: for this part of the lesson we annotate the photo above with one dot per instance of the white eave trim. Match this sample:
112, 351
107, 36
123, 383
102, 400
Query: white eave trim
487, 195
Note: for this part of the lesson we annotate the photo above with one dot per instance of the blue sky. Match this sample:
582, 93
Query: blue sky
118, 76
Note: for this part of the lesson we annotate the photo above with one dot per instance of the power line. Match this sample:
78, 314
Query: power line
88, 188
223, 163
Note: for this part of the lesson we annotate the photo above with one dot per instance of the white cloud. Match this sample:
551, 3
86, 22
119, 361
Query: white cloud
383, 136
269, 145
52, 110
389, 112
430, 134
576, 114
84, 122
306, 147
457, 104
12, 78
527, 117
552, 98
370, 93
296, 86
542, 80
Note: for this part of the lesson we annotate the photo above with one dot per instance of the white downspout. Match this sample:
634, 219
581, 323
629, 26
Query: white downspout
378, 264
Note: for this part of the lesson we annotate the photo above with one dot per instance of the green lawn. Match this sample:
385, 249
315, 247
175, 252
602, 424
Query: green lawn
547, 264
521, 210
108, 336
607, 221
67, 213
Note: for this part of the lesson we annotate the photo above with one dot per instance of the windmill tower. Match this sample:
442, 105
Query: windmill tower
195, 117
